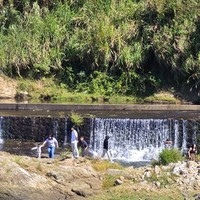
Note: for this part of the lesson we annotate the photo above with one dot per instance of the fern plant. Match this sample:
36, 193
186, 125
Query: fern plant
76, 118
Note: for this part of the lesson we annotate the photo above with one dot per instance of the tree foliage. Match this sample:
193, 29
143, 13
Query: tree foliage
105, 46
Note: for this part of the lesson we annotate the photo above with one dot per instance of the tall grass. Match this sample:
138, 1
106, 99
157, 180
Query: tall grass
135, 43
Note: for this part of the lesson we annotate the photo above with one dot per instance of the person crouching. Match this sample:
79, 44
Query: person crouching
84, 146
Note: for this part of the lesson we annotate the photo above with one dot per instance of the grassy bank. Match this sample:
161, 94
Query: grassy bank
102, 51
49, 90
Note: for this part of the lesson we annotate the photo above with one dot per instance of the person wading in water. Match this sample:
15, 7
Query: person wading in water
106, 149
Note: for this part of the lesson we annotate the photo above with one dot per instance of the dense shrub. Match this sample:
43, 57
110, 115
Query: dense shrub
121, 47
170, 155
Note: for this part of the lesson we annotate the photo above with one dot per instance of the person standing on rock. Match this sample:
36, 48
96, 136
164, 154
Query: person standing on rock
74, 141
106, 149
52, 144
192, 152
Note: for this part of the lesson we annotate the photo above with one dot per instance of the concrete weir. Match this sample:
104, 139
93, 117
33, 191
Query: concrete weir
92, 107
102, 110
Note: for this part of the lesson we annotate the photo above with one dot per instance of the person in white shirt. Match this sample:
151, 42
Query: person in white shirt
52, 144
38, 150
74, 141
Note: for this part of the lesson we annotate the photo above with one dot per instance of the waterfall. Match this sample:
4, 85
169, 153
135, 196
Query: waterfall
1, 130
184, 140
55, 128
137, 139
176, 133
65, 132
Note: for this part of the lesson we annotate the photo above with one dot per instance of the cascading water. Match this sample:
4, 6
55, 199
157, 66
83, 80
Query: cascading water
138, 139
65, 132
176, 133
184, 140
55, 128
1, 135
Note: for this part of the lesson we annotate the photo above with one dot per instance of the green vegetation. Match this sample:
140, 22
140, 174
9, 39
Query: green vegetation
76, 119
109, 181
101, 47
162, 97
66, 153
170, 155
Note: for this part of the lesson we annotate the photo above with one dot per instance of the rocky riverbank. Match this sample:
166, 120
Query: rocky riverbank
27, 178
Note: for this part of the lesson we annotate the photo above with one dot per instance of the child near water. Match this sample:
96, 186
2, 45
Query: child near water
38, 150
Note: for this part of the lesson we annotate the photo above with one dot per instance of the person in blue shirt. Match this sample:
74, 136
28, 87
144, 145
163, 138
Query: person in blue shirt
52, 144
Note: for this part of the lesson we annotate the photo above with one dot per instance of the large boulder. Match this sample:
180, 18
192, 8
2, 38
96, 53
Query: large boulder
30, 178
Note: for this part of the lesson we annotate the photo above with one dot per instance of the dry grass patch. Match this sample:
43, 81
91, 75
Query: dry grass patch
103, 165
